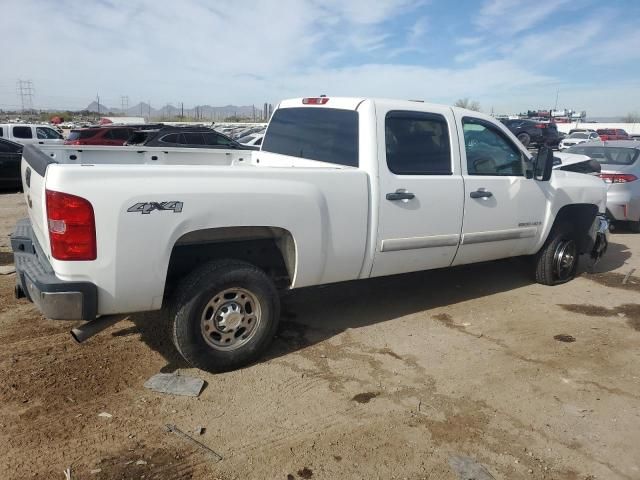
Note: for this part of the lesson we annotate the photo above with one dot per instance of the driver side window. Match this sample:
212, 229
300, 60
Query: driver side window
489, 151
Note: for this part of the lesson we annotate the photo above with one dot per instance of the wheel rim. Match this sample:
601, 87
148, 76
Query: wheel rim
230, 319
564, 259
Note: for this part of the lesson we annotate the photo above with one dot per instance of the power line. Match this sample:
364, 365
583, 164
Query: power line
25, 93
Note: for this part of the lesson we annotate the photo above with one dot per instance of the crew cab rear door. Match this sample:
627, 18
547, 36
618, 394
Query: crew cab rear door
504, 210
420, 191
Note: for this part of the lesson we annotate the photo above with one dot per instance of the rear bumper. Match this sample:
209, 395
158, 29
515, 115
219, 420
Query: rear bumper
623, 204
56, 299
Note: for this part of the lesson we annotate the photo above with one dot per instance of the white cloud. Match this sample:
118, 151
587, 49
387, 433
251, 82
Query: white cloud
261, 50
514, 16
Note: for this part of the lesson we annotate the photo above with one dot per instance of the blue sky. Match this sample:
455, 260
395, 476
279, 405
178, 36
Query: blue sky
507, 54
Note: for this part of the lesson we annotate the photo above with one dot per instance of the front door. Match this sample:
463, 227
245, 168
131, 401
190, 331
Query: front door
420, 190
504, 210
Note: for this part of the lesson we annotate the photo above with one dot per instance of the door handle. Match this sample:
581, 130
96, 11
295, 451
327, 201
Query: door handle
41, 143
481, 194
400, 196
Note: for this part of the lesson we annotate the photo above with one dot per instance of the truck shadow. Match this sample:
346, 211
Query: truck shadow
311, 315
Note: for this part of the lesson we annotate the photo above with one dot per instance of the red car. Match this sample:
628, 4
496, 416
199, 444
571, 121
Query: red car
100, 135
612, 134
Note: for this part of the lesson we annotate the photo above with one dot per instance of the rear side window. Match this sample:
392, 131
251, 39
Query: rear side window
323, 134
214, 138
22, 132
417, 144
191, 139
119, 134
81, 134
171, 138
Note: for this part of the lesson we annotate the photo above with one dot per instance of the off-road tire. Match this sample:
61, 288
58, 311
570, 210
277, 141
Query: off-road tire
545, 260
195, 292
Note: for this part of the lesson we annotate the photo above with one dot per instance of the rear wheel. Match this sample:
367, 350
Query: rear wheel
225, 315
557, 260
524, 138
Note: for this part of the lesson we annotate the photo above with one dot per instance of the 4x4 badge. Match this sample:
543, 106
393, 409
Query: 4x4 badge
146, 208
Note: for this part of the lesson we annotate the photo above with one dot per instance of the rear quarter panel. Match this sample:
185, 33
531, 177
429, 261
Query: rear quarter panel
325, 210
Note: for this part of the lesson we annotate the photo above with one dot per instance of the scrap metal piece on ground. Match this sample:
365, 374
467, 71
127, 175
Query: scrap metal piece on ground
468, 469
177, 431
7, 269
175, 384
626, 277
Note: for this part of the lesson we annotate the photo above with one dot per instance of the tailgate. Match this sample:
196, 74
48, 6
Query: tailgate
33, 170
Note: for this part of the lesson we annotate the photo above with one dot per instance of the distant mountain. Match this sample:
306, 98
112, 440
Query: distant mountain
204, 112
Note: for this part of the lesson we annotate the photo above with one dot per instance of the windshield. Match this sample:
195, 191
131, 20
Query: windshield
579, 135
608, 155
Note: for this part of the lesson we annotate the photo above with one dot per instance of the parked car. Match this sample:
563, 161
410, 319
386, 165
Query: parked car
620, 171
253, 140
582, 130
190, 137
28, 134
10, 156
104, 135
534, 133
577, 138
325, 200
612, 134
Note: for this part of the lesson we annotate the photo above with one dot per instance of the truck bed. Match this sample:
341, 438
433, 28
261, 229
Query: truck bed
137, 155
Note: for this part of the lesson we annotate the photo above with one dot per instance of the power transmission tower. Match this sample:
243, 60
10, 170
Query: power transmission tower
25, 92
125, 103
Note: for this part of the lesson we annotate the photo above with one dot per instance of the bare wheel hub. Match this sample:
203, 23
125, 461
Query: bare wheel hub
230, 319
564, 259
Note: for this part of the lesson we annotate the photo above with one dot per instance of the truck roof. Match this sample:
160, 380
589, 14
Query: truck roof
352, 103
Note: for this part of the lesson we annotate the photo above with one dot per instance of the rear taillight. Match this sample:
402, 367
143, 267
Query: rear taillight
540, 125
315, 101
72, 227
618, 177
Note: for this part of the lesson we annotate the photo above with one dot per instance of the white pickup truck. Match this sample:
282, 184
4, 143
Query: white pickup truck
342, 189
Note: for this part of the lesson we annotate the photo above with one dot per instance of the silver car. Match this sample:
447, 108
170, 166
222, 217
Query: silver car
576, 138
621, 171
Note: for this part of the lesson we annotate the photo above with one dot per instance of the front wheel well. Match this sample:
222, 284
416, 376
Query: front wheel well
580, 217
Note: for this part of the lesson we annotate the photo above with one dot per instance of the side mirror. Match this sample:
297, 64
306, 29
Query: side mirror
543, 164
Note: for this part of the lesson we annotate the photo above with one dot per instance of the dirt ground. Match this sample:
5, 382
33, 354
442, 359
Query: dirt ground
388, 378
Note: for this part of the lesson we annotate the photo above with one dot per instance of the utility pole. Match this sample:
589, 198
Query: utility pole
149, 106
557, 94
98, 98
181, 110
25, 92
